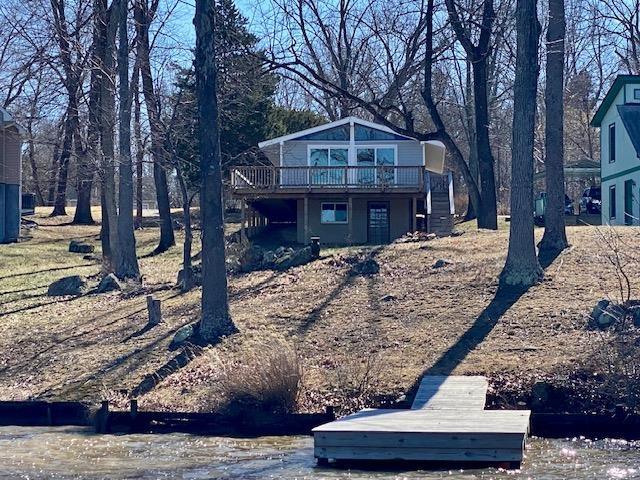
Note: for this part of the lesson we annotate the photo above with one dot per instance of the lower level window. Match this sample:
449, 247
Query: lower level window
334, 212
612, 201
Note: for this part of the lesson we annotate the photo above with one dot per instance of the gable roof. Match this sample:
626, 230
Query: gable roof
620, 81
630, 115
326, 126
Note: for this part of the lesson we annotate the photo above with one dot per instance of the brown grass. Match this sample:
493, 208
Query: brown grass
444, 320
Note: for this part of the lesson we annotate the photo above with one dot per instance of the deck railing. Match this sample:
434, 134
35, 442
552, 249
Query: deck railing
374, 177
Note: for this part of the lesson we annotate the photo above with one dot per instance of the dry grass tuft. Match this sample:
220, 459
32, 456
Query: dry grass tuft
264, 374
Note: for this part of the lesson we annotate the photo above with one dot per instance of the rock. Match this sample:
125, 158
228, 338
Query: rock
442, 263
269, 258
76, 246
109, 283
365, 267
388, 298
196, 275
182, 335
635, 315
91, 258
609, 317
279, 251
600, 307
292, 258
457, 233
251, 259
73, 285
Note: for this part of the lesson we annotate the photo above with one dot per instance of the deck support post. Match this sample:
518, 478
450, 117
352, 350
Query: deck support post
350, 220
243, 219
414, 214
305, 240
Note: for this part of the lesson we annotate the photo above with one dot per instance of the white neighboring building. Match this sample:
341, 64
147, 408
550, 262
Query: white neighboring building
618, 118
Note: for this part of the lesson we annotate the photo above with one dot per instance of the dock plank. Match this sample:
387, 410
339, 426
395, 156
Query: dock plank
454, 392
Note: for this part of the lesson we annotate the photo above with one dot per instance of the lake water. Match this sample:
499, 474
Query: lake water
78, 453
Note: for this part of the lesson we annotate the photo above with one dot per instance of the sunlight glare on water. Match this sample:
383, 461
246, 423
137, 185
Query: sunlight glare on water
63, 453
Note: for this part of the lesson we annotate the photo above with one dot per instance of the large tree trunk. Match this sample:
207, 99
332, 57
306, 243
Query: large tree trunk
127, 266
107, 124
555, 236
522, 268
71, 124
142, 20
488, 212
55, 166
216, 320
84, 184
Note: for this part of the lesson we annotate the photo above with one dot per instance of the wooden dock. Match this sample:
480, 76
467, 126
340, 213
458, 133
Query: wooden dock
446, 423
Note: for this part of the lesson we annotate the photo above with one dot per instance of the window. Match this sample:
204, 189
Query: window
612, 143
340, 133
365, 134
636, 93
334, 212
328, 157
612, 202
376, 157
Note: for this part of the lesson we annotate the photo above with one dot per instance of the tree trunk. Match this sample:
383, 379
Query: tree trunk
87, 169
55, 167
137, 133
31, 152
522, 268
555, 236
471, 213
216, 321
84, 185
142, 20
488, 212
71, 124
187, 271
127, 266
107, 123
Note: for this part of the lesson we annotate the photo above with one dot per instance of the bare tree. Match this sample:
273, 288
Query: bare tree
522, 268
216, 320
478, 55
555, 236
143, 15
127, 259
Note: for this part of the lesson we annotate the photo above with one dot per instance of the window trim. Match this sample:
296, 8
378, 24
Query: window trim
612, 188
612, 158
636, 93
322, 204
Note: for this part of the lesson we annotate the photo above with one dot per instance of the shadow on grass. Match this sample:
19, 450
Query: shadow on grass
503, 300
46, 270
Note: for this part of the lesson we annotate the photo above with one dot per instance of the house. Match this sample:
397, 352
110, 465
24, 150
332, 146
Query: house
10, 178
618, 118
347, 182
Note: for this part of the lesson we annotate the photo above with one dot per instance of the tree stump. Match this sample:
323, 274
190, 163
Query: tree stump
153, 308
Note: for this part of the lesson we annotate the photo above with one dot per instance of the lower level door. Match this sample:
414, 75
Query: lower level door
378, 223
628, 202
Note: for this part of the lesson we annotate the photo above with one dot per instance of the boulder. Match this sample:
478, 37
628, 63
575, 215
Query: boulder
196, 275
294, 258
365, 267
441, 263
610, 316
269, 258
182, 335
251, 259
76, 246
109, 283
73, 285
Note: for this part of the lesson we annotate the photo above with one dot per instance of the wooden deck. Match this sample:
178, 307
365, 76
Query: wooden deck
447, 423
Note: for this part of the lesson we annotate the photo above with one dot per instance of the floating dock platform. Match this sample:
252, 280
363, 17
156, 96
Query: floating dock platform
447, 423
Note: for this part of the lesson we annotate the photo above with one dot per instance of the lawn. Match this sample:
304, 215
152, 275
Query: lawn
361, 339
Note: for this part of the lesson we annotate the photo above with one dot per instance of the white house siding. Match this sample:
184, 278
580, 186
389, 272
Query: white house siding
626, 165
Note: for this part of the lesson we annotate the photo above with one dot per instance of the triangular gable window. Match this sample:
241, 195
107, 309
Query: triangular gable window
364, 134
340, 133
